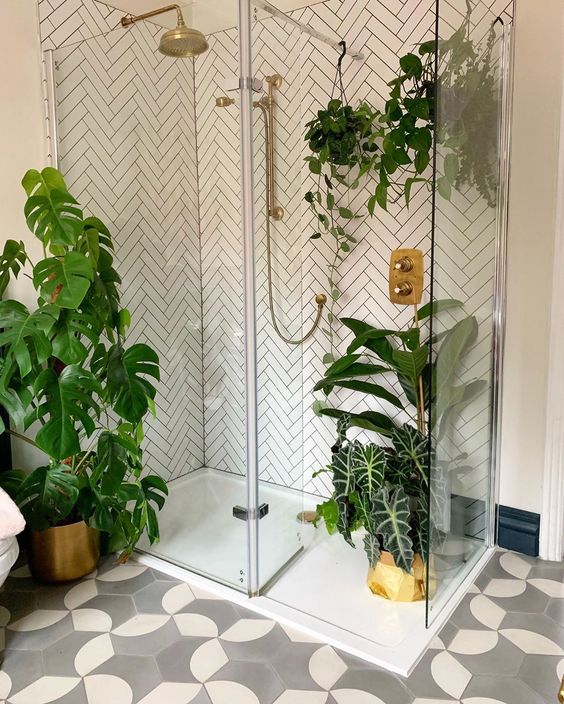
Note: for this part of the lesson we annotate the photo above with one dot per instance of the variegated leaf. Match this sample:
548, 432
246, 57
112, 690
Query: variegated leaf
372, 549
368, 465
391, 516
413, 447
343, 481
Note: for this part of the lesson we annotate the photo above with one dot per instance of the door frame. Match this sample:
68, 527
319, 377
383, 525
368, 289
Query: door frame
552, 513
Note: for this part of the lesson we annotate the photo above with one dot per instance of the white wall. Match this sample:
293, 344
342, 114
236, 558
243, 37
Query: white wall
21, 132
536, 117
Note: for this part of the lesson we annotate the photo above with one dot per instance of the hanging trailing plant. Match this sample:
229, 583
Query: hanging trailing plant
352, 146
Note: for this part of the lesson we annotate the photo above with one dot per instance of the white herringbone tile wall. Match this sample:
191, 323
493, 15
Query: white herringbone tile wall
129, 141
127, 146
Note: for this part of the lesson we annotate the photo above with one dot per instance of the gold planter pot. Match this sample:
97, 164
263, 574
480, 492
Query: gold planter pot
395, 584
64, 553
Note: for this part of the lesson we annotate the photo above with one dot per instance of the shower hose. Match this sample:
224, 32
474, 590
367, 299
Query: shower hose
320, 298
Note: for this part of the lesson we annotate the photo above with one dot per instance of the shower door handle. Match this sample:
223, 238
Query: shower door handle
243, 514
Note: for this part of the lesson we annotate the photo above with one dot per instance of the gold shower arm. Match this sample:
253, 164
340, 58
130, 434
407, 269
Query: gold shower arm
131, 19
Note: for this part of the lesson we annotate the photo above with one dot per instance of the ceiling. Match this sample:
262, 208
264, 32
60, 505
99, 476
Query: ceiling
208, 17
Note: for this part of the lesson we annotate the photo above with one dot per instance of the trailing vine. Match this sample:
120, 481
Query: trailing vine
389, 152
350, 146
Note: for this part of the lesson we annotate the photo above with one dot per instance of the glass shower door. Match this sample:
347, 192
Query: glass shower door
467, 288
274, 296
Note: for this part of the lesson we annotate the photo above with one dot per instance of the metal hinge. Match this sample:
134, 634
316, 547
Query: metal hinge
243, 514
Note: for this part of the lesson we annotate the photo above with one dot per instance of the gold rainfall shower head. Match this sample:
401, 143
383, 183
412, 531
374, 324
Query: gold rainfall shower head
182, 42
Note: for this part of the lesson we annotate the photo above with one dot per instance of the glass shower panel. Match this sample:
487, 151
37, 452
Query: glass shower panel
130, 124
468, 225
277, 164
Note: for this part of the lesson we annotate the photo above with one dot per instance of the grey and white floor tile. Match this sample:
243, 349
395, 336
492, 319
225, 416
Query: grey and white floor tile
131, 635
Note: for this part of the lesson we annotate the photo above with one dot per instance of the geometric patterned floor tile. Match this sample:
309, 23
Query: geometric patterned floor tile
130, 635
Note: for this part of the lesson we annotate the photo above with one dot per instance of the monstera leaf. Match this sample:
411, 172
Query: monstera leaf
153, 491
94, 240
47, 496
12, 260
64, 280
51, 212
71, 327
66, 401
391, 516
15, 404
130, 391
25, 336
111, 464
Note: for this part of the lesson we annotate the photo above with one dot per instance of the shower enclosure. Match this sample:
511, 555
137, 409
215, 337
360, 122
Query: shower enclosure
198, 168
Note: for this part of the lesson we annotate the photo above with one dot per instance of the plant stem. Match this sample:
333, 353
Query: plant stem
21, 437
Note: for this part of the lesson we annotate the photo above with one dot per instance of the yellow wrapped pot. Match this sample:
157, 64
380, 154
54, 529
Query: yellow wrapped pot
396, 584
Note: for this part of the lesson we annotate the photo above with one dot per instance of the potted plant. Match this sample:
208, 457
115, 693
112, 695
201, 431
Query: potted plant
73, 389
384, 488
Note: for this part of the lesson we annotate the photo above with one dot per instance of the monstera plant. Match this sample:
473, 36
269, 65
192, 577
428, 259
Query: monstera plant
69, 383
384, 487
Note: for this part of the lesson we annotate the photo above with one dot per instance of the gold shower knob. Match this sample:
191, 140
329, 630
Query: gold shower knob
404, 264
321, 299
277, 212
404, 288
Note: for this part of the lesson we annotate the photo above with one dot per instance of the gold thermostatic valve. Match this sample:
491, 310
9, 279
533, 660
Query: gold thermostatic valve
404, 288
404, 264
406, 276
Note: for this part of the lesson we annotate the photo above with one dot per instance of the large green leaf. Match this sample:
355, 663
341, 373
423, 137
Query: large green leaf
66, 402
16, 405
73, 328
366, 387
453, 347
437, 307
391, 519
452, 400
24, 336
51, 212
129, 389
368, 420
47, 496
372, 549
111, 463
368, 465
343, 482
12, 259
95, 241
375, 343
411, 363
368, 339
64, 281
412, 447
11, 481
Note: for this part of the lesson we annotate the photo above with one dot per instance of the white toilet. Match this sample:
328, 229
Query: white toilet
9, 551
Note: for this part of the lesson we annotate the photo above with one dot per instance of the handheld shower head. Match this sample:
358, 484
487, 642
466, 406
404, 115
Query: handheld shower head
182, 42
